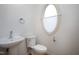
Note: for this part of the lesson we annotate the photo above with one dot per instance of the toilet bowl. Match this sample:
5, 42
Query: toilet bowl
33, 48
39, 50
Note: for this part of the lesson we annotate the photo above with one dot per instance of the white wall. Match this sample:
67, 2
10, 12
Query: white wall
67, 38
9, 19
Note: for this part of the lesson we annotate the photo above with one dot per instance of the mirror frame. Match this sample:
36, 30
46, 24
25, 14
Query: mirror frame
58, 21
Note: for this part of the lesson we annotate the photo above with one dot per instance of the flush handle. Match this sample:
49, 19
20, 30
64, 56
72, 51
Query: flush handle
54, 40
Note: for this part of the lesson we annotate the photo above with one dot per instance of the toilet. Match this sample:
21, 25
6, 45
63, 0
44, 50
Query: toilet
33, 48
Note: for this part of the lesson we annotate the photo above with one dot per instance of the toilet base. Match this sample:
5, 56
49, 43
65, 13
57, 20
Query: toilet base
38, 53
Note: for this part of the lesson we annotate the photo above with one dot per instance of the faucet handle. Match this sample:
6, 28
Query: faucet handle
11, 34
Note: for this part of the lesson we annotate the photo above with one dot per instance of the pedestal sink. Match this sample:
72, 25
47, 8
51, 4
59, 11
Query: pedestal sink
9, 42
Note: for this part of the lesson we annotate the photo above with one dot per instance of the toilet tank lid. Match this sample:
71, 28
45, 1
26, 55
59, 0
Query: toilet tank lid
31, 36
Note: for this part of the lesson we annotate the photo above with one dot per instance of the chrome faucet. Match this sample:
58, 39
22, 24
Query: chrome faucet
11, 34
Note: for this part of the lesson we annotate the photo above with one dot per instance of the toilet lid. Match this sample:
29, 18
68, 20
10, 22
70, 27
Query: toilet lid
39, 47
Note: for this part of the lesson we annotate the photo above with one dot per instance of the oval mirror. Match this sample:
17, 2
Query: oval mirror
50, 19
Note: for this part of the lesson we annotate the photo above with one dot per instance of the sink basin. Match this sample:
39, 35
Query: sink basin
9, 42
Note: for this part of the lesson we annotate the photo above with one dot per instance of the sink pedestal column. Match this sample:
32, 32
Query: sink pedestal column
19, 49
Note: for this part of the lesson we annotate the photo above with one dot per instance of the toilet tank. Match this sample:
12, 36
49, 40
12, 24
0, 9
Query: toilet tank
30, 41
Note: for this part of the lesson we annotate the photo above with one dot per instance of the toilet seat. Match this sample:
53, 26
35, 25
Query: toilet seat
39, 49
